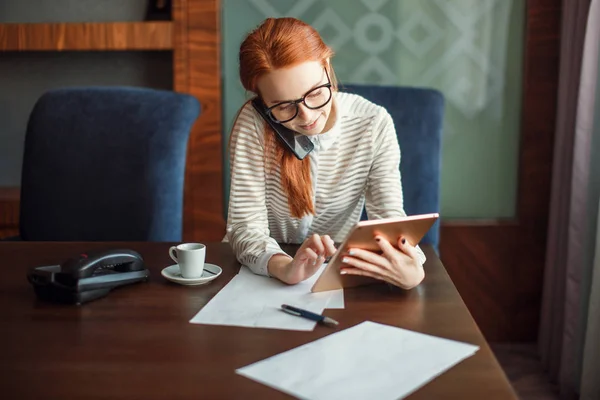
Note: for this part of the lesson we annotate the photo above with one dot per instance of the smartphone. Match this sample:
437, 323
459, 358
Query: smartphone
300, 145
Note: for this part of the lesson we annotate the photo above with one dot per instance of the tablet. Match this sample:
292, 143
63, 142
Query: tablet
362, 236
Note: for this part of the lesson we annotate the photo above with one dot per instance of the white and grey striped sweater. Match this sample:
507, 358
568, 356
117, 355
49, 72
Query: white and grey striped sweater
354, 163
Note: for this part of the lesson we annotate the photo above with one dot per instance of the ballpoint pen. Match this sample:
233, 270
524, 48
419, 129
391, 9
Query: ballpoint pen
309, 315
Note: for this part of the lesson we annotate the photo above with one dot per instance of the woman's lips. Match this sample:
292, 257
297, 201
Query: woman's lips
311, 125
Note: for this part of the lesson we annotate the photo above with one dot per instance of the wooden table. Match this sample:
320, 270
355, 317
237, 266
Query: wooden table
138, 342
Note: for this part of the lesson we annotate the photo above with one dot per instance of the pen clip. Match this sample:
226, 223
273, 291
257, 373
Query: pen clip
287, 310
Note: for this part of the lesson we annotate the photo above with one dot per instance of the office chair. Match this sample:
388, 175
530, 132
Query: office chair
418, 116
106, 164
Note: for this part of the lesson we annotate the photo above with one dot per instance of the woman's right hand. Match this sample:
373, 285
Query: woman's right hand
308, 259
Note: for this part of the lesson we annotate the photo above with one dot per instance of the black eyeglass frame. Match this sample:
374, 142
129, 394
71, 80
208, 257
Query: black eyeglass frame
327, 85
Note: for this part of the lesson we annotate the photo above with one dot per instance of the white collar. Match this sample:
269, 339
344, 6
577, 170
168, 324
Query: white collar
324, 141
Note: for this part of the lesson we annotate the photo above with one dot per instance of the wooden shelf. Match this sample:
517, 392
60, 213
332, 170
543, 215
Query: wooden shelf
87, 36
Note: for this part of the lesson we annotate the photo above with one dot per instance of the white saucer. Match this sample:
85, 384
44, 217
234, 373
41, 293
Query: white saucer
210, 273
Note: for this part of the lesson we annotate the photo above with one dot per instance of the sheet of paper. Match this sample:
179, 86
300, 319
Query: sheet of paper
369, 360
335, 297
251, 300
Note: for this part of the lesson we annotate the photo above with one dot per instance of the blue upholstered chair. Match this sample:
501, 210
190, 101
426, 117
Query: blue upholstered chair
106, 164
418, 116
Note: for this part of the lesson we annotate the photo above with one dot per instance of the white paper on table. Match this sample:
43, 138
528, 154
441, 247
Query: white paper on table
335, 298
252, 300
369, 360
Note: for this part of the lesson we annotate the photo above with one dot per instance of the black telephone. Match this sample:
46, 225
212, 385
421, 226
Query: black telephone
88, 276
295, 142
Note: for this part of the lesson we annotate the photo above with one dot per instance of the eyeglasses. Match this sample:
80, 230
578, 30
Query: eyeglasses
314, 99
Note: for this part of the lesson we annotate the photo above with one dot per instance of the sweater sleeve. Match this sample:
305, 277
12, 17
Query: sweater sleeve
384, 197
247, 219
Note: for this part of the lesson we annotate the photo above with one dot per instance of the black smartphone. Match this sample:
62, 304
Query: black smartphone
300, 145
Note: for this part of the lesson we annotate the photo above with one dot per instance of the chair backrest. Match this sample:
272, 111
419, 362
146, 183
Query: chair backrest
418, 117
106, 164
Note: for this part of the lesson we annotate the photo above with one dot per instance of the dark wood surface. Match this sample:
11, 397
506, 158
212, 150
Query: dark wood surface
138, 343
498, 266
86, 36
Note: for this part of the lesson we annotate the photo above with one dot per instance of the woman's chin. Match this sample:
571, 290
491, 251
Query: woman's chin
313, 132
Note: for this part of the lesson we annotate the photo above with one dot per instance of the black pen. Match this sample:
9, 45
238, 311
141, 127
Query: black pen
309, 315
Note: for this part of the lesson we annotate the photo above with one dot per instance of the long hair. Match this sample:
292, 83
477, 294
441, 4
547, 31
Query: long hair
280, 43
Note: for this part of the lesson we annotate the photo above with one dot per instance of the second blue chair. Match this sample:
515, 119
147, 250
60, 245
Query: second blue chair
418, 115
106, 164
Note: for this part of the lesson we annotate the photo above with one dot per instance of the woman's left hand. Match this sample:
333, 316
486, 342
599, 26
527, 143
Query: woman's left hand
399, 266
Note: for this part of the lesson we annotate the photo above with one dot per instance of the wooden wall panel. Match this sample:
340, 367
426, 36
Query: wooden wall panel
540, 100
482, 273
87, 36
498, 266
9, 211
197, 71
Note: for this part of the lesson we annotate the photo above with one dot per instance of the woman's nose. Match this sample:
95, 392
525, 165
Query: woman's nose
304, 112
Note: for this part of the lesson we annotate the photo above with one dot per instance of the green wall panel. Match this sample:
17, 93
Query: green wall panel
470, 50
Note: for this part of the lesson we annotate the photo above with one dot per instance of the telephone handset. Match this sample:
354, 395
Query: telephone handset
88, 276
97, 263
300, 145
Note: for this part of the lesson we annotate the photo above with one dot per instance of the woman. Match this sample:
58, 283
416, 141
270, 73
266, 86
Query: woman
275, 197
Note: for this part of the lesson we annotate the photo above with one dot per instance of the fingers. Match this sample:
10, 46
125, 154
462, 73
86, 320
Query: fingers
316, 244
391, 252
308, 256
329, 245
361, 272
386, 247
369, 257
364, 266
407, 249
322, 245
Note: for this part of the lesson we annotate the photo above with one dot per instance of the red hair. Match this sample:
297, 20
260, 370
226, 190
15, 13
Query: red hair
282, 43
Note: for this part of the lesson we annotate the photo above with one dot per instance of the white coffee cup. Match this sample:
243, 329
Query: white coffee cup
190, 257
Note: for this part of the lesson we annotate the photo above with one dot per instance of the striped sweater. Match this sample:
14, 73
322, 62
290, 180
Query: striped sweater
355, 163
